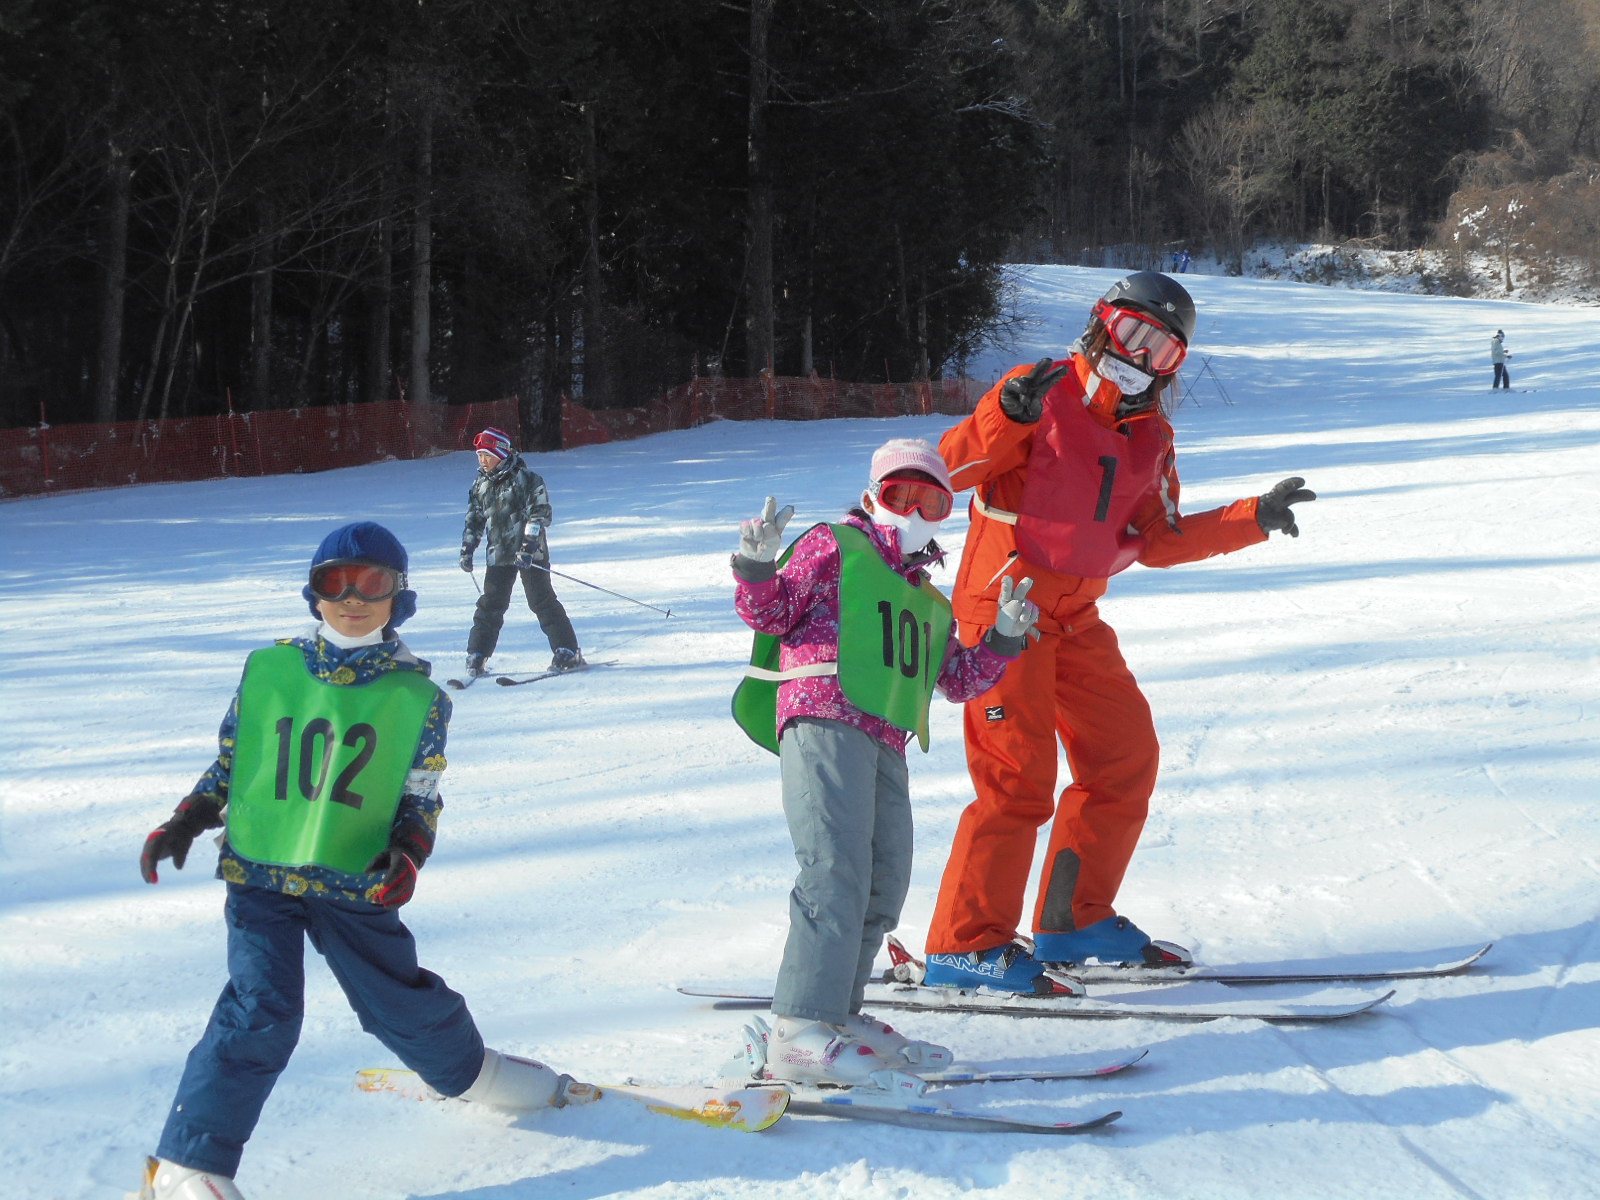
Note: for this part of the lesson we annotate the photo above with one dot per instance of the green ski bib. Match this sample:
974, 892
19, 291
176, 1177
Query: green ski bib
892, 638
319, 768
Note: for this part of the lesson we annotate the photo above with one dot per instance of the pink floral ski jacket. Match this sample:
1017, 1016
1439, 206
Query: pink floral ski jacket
801, 607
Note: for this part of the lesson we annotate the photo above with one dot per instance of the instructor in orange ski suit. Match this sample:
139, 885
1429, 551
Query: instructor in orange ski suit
1072, 469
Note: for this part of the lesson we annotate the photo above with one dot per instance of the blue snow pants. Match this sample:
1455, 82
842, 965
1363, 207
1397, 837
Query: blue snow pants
256, 1021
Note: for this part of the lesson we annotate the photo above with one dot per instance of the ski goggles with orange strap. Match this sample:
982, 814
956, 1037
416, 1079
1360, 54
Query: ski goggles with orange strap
341, 579
903, 496
1133, 334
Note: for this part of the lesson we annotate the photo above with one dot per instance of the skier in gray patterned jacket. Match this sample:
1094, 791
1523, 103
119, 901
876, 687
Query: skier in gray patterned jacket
511, 505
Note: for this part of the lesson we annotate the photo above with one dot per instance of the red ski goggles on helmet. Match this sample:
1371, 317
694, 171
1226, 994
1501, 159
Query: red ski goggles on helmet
491, 442
337, 580
1134, 334
904, 496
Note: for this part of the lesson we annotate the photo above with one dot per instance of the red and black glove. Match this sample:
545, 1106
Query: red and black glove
194, 815
1273, 511
408, 850
1022, 396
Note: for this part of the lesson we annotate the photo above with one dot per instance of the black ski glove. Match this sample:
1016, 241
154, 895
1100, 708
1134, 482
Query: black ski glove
466, 557
1022, 396
1273, 511
534, 551
408, 850
194, 815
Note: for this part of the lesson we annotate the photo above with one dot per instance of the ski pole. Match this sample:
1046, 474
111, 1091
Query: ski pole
598, 588
1205, 366
475, 582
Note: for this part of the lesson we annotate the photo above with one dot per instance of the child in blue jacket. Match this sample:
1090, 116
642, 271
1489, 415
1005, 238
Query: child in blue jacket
326, 787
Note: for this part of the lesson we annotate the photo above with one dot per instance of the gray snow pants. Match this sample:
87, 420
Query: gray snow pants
847, 799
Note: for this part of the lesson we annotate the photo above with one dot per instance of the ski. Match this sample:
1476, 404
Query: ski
910, 1110
462, 685
1371, 968
1090, 1070
960, 1076
1358, 968
1181, 1001
747, 1110
512, 679
509, 680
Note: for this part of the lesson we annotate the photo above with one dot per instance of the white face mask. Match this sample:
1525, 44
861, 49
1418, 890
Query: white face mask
916, 531
1129, 380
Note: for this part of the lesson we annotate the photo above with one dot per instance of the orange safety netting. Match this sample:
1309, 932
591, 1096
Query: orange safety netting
767, 399
52, 458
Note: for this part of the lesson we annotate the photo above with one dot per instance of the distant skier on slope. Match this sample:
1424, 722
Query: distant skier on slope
1074, 478
346, 726
510, 505
852, 641
1498, 356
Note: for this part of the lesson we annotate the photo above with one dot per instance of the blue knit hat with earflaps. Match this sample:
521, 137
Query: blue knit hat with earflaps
367, 541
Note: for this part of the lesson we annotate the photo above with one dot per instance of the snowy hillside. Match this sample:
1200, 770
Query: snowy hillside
1383, 734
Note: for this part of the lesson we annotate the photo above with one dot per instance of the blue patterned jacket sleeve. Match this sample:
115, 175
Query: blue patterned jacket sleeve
420, 802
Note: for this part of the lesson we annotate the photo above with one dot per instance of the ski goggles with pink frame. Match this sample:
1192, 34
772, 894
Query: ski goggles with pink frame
1133, 334
903, 496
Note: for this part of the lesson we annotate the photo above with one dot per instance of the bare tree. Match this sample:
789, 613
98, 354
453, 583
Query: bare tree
422, 258
206, 165
596, 377
760, 335
113, 279
1220, 158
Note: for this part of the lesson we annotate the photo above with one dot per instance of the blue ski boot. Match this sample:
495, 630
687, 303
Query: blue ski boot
1003, 969
1114, 941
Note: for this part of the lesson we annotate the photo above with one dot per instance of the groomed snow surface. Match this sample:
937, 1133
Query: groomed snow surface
1383, 734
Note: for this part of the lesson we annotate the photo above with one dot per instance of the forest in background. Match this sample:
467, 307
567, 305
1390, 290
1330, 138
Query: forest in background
215, 205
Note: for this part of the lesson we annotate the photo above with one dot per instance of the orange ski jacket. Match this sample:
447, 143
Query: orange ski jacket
989, 453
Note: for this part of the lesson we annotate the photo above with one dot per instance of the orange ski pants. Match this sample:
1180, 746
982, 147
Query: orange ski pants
1075, 685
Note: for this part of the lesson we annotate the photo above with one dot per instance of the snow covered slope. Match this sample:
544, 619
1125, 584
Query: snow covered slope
1383, 734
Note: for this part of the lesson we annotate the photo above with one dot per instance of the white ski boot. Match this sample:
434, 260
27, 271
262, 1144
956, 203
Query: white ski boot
803, 1051
507, 1081
895, 1048
816, 1060
815, 1053
165, 1180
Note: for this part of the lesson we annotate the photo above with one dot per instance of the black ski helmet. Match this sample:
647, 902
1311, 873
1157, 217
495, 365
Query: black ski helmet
1159, 296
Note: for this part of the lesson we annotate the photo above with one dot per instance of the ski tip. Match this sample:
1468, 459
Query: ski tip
1124, 1064
399, 1081
1355, 1010
742, 1110
1097, 1122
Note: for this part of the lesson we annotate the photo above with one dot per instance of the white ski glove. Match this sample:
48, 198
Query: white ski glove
761, 538
1017, 615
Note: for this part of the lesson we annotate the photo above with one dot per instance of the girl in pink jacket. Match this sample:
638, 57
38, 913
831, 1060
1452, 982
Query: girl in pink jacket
852, 641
